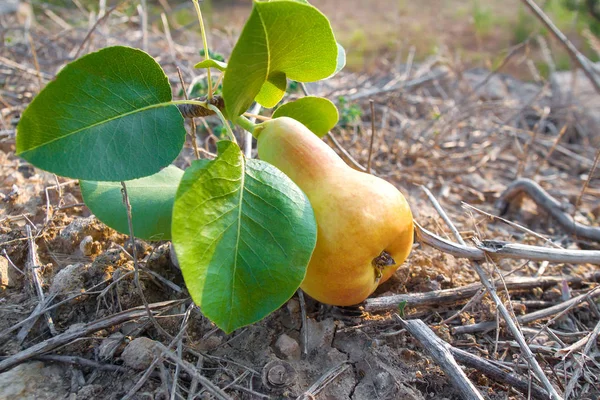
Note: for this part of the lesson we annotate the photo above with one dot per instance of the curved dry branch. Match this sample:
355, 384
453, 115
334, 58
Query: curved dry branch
549, 204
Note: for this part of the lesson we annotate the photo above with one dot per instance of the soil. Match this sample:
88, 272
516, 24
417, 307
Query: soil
466, 135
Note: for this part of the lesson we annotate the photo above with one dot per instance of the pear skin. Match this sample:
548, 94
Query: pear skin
359, 216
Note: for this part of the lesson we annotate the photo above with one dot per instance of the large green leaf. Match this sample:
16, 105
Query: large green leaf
316, 113
151, 201
243, 234
108, 116
281, 40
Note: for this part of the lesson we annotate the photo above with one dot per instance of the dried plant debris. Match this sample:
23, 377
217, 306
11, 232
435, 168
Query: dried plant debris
72, 318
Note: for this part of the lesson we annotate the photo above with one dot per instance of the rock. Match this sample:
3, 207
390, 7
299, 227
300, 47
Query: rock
293, 306
110, 345
90, 392
88, 246
582, 95
320, 334
139, 353
287, 348
72, 235
68, 280
9, 277
33, 381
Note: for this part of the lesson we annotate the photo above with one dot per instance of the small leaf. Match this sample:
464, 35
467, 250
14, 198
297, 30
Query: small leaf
316, 113
282, 39
402, 307
151, 201
107, 117
210, 63
243, 233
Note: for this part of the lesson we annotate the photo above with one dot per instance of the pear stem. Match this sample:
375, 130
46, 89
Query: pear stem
371, 102
225, 122
246, 124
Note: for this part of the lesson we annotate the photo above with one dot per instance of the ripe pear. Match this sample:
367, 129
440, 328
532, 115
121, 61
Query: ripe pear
365, 226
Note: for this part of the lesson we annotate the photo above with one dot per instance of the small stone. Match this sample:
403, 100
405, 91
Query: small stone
287, 348
89, 392
87, 246
211, 342
68, 280
139, 353
33, 381
293, 306
7, 274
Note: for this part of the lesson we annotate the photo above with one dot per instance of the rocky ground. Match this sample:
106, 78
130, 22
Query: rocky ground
75, 325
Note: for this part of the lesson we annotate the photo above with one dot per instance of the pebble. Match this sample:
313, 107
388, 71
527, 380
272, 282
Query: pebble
287, 347
139, 353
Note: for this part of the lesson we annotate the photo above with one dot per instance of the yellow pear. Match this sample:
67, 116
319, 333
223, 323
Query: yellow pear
365, 226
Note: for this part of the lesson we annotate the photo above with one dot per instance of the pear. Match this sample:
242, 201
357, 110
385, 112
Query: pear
365, 226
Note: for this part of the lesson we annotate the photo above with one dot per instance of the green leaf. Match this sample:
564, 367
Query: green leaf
151, 201
107, 116
243, 234
402, 307
341, 59
316, 113
210, 63
273, 90
281, 40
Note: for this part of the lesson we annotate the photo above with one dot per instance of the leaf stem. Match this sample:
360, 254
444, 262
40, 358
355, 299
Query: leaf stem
245, 123
205, 44
225, 122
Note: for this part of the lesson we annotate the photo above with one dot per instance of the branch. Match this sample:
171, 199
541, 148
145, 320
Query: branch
440, 352
549, 204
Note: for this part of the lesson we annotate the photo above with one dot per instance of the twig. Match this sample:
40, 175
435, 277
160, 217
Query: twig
77, 332
194, 384
304, 322
143, 11
136, 269
571, 49
512, 326
440, 352
189, 368
324, 380
581, 362
372, 105
35, 61
498, 249
337, 144
444, 216
587, 181
83, 362
454, 295
497, 373
401, 86
34, 267
192, 122
510, 223
165, 23
548, 203
345, 153
93, 28
531, 317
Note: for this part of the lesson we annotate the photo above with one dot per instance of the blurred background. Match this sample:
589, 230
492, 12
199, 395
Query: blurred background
378, 34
